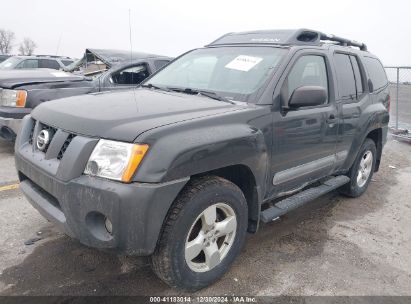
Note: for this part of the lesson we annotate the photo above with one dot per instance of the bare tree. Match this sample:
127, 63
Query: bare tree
6, 39
27, 47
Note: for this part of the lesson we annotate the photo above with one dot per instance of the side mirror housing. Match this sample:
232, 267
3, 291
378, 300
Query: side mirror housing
308, 96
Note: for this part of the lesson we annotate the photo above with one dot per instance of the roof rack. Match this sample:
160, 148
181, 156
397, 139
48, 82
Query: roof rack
343, 41
285, 37
53, 56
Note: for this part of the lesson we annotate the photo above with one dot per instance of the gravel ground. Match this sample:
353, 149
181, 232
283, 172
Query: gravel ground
332, 246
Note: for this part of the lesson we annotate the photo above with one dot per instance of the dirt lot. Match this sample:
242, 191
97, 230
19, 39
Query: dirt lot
333, 246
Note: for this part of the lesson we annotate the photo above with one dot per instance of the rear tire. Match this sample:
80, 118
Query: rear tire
362, 170
202, 235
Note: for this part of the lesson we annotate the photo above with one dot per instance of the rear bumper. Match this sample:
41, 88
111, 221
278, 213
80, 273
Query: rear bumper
80, 205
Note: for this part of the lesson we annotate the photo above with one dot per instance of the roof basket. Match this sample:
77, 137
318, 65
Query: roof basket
284, 37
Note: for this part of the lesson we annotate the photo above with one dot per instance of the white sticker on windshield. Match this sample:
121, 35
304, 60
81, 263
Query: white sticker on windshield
60, 74
243, 63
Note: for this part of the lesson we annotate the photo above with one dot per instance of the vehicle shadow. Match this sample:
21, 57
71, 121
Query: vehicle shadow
63, 266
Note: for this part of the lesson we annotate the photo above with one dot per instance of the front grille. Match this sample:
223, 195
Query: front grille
52, 132
38, 127
65, 146
32, 133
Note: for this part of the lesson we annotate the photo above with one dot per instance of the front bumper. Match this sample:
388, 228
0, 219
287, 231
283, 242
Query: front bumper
79, 204
9, 128
10, 121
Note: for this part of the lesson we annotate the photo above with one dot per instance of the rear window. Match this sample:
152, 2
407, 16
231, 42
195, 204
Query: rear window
160, 63
376, 72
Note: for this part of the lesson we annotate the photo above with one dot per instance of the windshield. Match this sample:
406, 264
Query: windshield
9, 63
233, 72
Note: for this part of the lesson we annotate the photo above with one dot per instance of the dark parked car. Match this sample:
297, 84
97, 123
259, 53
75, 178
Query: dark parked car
36, 62
4, 57
23, 90
223, 138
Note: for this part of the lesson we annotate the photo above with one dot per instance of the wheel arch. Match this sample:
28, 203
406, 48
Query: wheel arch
243, 177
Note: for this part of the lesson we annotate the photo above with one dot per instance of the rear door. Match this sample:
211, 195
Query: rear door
353, 99
304, 138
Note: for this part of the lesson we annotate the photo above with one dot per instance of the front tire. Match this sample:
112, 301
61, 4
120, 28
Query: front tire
362, 170
202, 235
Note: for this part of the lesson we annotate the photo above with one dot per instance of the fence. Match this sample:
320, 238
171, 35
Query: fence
400, 92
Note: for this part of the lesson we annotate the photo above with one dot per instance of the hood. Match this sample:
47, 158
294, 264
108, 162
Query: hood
126, 114
13, 78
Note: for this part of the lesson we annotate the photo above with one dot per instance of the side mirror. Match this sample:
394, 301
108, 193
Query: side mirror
370, 86
308, 96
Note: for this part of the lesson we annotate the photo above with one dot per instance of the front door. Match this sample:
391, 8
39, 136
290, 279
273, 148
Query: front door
304, 138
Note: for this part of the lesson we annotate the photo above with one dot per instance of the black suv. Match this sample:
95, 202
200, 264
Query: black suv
227, 136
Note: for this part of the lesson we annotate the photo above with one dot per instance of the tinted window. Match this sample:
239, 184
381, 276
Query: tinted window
160, 63
49, 64
67, 62
308, 71
345, 76
357, 75
376, 72
28, 64
130, 75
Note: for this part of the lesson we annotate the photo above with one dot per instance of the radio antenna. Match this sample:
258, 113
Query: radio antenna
58, 44
131, 41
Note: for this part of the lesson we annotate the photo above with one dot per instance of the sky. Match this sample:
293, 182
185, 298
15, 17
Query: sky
173, 27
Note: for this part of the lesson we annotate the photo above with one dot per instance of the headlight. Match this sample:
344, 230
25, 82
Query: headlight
13, 98
115, 160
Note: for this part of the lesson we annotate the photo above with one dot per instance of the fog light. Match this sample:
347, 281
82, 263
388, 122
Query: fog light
109, 226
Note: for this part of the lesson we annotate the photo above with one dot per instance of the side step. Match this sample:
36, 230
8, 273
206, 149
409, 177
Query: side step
299, 199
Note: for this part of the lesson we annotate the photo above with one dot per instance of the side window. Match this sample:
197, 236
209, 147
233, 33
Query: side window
130, 76
309, 70
28, 64
376, 72
357, 75
345, 77
160, 63
49, 64
67, 62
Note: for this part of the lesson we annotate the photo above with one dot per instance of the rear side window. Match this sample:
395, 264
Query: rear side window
131, 75
67, 62
357, 75
376, 72
309, 70
49, 64
345, 76
160, 63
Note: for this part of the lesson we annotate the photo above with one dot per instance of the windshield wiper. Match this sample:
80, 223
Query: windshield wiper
152, 86
209, 94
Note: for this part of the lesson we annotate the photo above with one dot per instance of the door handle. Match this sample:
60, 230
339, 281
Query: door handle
331, 119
